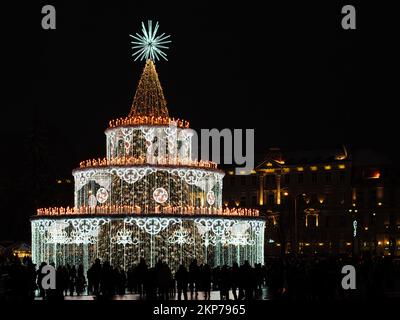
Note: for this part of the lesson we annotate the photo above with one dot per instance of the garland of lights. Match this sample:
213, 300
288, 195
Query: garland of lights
133, 174
86, 231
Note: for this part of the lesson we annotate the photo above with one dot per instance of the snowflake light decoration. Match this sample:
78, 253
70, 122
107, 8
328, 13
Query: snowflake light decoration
102, 195
180, 237
149, 45
160, 195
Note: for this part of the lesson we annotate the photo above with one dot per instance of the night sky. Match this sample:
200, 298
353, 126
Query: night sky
288, 70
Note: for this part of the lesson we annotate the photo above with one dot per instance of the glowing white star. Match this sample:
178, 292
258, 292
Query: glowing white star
149, 45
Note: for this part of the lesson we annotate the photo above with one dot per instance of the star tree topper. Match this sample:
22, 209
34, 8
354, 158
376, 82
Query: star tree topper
149, 45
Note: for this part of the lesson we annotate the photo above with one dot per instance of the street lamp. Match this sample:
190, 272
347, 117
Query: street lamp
296, 246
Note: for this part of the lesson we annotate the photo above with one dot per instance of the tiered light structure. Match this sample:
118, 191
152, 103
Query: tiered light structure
142, 202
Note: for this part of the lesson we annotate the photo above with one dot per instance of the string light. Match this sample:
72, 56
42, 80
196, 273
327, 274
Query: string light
137, 210
128, 161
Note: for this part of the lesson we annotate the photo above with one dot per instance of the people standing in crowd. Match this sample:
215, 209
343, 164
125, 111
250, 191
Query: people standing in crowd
292, 278
80, 281
182, 280
224, 283
205, 281
141, 272
193, 278
234, 280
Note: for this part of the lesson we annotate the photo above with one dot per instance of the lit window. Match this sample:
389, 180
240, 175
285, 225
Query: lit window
328, 167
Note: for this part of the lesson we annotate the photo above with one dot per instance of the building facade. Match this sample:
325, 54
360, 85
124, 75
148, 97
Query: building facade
323, 201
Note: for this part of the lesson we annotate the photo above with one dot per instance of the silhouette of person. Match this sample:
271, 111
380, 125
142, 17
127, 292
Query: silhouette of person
182, 280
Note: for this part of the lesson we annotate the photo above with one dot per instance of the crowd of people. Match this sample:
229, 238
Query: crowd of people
292, 278
160, 282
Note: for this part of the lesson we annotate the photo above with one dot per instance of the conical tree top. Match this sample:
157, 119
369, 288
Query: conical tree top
149, 97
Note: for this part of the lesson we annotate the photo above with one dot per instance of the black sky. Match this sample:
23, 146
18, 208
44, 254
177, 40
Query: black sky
288, 70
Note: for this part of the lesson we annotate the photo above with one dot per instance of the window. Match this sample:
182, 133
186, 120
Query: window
372, 197
267, 180
253, 201
271, 198
372, 219
392, 220
360, 198
342, 221
328, 221
300, 178
328, 177
314, 177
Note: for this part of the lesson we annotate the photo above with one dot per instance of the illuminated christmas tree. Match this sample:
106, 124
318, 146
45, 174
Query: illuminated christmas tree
148, 198
149, 98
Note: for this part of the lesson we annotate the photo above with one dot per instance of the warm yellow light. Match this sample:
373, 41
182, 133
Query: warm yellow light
230, 173
269, 164
342, 166
59, 181
379, 203
270, 170
253, 172
375, 175
307, 244
300, 169
286, 170
366, 228
328, 167
278, 244
314, 168
286, 193
348, 243
379, 243
321, 244
387, 242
